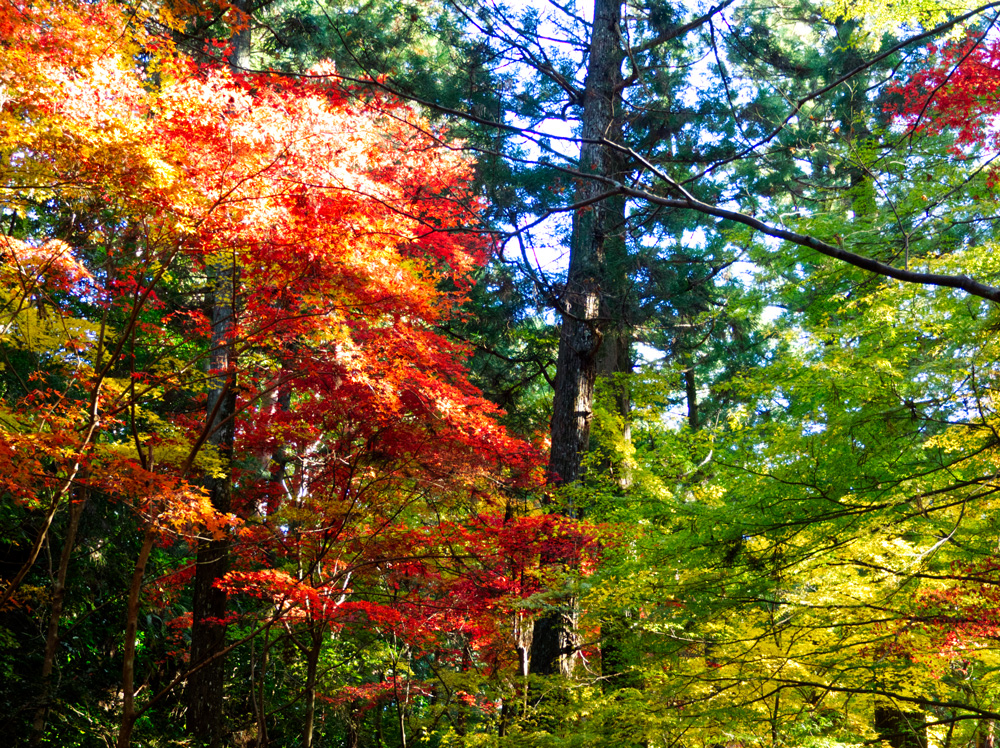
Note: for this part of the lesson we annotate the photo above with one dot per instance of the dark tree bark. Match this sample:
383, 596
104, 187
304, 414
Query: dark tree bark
208, 633
582, 325
313, 651
553, 642
55, 615
129, 713
691, 393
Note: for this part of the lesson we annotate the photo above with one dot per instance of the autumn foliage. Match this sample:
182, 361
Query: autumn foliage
128, 173
233, 324
954, 91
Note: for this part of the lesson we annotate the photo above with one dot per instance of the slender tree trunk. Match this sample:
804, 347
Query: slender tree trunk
312, 666
131, 629
55, 615
257, 692
401, 697
553, 641
353, 726
401, 717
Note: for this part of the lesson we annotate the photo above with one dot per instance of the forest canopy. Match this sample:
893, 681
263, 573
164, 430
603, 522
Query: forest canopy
471, 374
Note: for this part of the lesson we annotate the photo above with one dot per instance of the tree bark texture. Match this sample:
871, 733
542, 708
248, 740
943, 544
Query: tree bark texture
208, 633
594, 228
210, 606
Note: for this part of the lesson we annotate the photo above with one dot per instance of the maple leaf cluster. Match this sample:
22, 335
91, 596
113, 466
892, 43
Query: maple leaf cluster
954, 91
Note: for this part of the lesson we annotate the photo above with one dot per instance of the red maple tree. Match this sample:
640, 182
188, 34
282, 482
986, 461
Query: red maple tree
351, 224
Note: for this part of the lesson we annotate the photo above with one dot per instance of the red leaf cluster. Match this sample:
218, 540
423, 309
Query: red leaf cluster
954, 91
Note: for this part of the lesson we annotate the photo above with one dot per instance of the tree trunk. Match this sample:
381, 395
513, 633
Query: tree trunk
553, 646
208, 631
131, 629
901, 729
691, 393
353, 726
593, 227
257, 689
615, 363
55, 615
312, 667
986, 734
